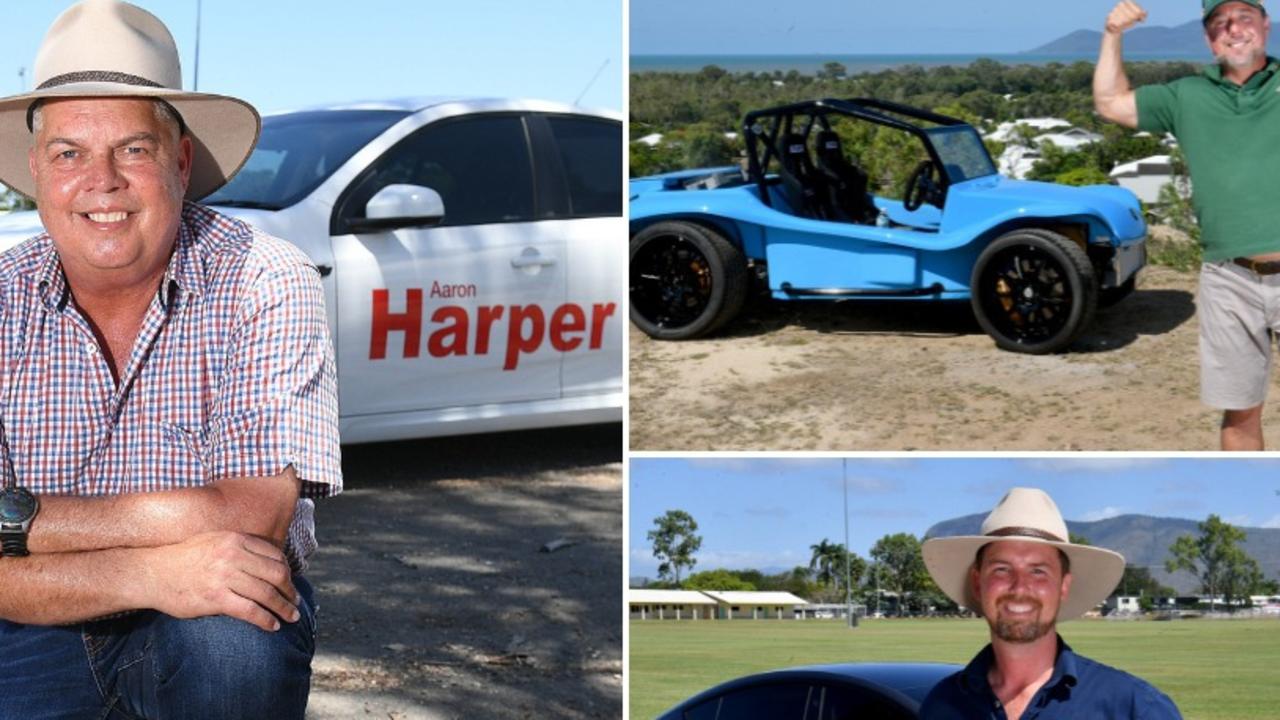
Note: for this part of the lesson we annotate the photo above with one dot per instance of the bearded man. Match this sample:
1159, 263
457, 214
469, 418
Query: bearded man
1023, 576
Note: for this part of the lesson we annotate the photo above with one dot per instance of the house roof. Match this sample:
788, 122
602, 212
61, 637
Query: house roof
742, 597
669, 597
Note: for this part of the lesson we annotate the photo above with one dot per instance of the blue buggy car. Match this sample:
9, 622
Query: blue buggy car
1034, 259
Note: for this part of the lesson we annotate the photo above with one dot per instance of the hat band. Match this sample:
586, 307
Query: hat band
1025, 532
97, 76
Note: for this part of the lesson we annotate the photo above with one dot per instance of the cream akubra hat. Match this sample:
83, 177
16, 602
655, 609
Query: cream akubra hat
1027, 515
107, 48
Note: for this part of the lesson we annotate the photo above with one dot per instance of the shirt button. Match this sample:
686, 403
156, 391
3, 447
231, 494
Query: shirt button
90, 348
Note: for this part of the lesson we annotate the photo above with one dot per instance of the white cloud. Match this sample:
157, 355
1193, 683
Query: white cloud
1274, 522
1241, 520
1072, 464
643, 562
1106, 512
756, 465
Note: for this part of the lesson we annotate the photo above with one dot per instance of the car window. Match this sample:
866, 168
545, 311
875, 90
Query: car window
479, 164
774, 701
962, 152
842, 702
297, 151
590, 151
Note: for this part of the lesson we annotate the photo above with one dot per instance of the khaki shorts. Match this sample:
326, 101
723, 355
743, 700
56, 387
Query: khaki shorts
1239, 317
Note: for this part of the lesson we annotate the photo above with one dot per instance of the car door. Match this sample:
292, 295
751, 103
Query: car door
456, 313
579, 161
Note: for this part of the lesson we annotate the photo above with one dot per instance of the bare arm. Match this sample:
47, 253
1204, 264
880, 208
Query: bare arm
262, 507
217, 573
1112, 96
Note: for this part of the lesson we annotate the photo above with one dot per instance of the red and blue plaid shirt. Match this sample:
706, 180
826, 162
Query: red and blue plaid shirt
232, 375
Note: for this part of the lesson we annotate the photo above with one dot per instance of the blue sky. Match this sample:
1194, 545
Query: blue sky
767, 512
771, 27
281, 54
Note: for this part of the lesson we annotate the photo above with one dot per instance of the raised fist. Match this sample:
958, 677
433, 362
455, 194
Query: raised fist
1125, 15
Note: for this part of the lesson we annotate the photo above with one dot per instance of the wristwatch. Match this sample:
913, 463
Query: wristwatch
18, 507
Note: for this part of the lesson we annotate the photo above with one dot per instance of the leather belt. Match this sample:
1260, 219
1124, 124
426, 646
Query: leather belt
1271, 267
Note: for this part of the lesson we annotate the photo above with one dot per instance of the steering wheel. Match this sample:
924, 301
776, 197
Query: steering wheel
922, 187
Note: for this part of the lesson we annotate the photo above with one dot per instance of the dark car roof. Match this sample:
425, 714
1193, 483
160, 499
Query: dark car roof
914, 680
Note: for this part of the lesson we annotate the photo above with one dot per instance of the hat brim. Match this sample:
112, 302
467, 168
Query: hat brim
1095, 572
223, 130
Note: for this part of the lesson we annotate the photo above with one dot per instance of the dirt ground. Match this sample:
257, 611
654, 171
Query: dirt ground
907, 376
436, 599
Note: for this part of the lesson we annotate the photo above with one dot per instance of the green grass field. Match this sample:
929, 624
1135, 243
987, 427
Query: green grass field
1213, 669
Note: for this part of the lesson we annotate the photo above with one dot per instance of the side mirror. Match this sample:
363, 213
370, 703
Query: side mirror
400, 206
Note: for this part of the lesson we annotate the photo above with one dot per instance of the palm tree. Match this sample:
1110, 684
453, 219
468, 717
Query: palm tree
828, 560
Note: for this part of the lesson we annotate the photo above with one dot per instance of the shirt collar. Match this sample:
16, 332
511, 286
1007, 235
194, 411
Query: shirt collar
974, 676
183, 275
1214, 73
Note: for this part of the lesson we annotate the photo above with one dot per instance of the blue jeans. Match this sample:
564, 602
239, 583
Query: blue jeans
153, 666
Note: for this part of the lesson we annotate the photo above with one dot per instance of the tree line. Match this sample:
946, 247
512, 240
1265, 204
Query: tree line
895, 569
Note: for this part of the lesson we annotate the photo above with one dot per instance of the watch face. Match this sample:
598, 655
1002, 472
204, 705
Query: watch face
16, 505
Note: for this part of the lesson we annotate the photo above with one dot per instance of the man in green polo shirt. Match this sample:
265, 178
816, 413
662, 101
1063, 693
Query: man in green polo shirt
1227, 121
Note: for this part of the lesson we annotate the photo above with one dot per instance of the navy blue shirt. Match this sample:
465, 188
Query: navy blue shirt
1078, 688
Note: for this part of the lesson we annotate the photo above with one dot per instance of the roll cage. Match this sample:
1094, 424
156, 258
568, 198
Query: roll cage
764, 128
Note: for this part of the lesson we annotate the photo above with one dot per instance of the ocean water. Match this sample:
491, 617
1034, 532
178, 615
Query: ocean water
855, 64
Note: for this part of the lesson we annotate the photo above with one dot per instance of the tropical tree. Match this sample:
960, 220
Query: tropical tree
675, 540
1216, 559
901, 566
716, 580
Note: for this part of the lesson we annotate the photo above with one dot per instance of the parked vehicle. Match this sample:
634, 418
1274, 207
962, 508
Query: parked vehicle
1033, 259
884, 691
468, 254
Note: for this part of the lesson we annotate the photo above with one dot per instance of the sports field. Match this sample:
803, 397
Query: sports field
1213, 669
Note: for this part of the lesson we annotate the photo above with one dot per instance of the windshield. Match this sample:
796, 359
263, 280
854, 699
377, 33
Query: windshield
297, 151
961, 151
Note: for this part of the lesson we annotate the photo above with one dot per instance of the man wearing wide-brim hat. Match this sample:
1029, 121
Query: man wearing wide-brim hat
168, 403
1227, 123
1023, 575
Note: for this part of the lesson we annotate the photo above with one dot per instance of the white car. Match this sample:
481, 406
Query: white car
470, 251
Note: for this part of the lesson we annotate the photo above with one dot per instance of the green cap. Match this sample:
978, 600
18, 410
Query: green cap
1211, 5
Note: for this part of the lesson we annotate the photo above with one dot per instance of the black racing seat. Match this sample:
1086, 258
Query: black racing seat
802, 185
846, 183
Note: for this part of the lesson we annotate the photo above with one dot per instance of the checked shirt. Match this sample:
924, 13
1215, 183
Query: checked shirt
232, 375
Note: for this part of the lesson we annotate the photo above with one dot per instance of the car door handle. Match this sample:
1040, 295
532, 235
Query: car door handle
525, 261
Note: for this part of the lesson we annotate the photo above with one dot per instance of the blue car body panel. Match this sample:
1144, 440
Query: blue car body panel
903, 684
922, 249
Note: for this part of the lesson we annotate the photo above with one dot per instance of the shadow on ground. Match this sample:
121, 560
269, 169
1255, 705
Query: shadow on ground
436, 599
1145, 312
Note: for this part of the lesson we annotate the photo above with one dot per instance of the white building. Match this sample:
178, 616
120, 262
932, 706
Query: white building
756, 605
1144, 177
1124, 604
1069, 139
651, 140
670, 605
1005, 131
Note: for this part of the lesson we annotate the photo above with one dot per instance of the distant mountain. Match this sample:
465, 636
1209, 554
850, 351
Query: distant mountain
1143, 540
1181, 40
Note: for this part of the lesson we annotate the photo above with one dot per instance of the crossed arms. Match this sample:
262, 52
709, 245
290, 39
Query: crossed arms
211, 550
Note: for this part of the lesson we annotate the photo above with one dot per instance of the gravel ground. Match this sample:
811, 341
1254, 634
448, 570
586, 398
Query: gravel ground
436, 597
904, 376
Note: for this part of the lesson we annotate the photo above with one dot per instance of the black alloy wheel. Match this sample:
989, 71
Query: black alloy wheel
1033, 291
686, 280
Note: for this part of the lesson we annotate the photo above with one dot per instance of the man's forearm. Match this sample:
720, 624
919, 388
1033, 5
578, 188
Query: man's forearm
212, 573
1112, 96
61, 588
256, 506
